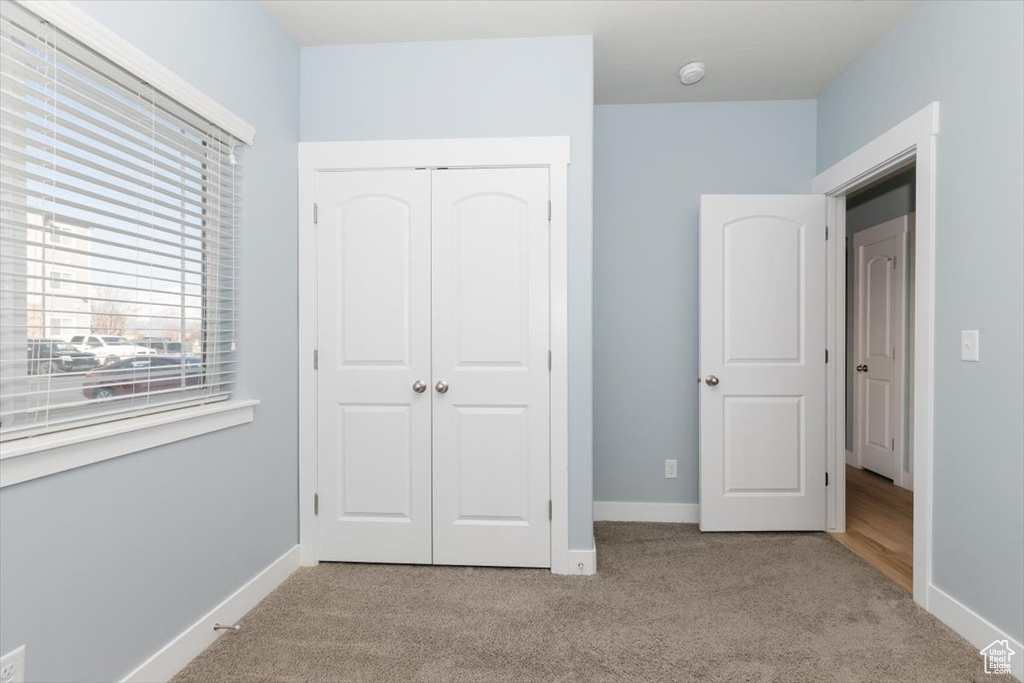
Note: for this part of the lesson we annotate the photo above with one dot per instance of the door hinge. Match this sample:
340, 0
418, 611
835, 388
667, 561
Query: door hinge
315, 212
549, 510
826, 232
549, 360
549, 211
316, 359
894, 444
316, 503
826, 356
826, 479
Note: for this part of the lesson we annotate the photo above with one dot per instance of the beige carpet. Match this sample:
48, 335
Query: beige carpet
668, 604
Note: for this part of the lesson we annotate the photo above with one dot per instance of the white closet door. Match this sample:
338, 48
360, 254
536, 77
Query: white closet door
490, 349
373, 318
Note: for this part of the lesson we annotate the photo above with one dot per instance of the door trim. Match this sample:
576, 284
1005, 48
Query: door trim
912, 140
548, 152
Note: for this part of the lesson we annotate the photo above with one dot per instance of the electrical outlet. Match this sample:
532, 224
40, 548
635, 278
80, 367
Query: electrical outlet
671, 469
12, 666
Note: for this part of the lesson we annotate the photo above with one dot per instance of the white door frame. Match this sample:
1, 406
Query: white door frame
881, 232
547, 152
911, 140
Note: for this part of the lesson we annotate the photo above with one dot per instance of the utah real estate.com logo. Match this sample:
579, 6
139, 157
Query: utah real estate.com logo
997, 657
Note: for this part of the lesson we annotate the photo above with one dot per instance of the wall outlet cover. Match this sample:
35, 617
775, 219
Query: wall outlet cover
12, 666
671, 469
969, 345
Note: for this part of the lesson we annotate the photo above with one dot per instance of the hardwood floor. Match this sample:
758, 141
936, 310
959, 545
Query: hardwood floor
880, 524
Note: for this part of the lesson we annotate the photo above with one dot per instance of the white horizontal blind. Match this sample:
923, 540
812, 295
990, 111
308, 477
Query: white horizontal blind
119, 219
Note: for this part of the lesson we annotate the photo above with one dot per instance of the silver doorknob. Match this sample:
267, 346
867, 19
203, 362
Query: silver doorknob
711, 381
442, 387
419, 387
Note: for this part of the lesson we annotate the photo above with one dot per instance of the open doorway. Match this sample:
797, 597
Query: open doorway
911, 141
879, 374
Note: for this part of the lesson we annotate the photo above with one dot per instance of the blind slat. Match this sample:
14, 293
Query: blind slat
61, 157
103, 227
74, 98
34, 118
90, 76
106, 257
181, 209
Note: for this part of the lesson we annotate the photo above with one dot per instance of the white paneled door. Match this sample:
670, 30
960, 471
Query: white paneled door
433, 333
879, 260
762, 362
490, 367
373, 329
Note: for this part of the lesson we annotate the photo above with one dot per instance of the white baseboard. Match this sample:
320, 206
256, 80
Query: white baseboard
851, 459
173, 656
972, 626
686, 513
583, 562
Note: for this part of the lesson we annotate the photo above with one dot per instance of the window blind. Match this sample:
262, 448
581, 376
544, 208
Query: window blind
120, 212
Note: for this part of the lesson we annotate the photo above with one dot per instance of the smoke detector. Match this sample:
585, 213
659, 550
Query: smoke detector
692, 73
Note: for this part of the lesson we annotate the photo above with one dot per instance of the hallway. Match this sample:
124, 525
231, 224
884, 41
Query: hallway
880, 524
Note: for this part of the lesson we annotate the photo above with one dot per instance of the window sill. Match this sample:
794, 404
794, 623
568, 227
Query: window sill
48, 454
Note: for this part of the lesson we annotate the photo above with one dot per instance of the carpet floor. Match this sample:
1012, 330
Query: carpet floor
668, 604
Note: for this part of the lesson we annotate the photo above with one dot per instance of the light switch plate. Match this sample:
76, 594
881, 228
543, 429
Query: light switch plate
969, 345
12, 666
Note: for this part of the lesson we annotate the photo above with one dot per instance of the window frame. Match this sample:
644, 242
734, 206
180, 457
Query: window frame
41, 455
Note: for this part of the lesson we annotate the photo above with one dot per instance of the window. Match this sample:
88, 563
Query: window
60, 235
62, 280
150, 191
60, 327
59, 238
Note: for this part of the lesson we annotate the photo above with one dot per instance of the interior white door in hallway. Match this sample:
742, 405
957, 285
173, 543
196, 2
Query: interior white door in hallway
879, 299
433, 335
762, 362
490, 340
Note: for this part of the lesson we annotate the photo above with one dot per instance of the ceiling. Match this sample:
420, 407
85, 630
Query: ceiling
754, 49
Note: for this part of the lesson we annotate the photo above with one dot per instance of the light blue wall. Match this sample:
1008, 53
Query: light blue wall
970, 57
481, 88
652, 163
102, 566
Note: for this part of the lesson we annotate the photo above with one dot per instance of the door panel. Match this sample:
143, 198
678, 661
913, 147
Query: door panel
878, 324
372, 255
763, 450
756, 250
373, 313
763, 337
492, 287
493, 464
375, 448
490, 345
